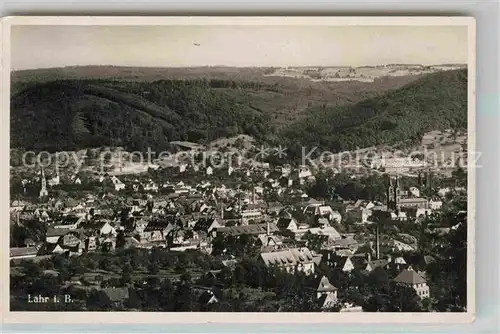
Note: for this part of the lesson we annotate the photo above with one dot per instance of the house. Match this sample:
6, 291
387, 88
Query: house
361, 215
323, 222
207, 224
251, 211
304, 172
324, 211
311, 202
176, 236
207, 298
326, 293
269, 242
329, 231
292, 260
55, 249
151, 186
23, 252
414, 191
413, 203
428, 259
435, 205
415, 280
289, 224
69, 222
117, 296
252, 229
345, 243
118, 185
372, 264
17, 205
105, 228
91, 244
274, 208
69, 240
399, 216
78, 211
52, 236
399, 262
285, 170
100, 227
348, 265
349, 307
400, 246
158, 229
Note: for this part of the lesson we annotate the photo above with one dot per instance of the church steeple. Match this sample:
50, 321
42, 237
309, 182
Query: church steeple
43, 190
393, 193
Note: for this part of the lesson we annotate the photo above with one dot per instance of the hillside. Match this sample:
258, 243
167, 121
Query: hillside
71, 114
65, 114
435, 102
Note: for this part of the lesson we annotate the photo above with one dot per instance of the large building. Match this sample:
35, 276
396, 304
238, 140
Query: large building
415, 280
396, 200
292, 260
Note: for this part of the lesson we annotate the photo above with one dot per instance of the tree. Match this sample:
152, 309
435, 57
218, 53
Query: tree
133, 301
153, 269
126, 277
404, 299
184, 298
120, 240
98, 301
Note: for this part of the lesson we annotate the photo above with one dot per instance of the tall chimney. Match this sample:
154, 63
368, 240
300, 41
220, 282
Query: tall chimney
377, 251
268, 228
369, 256
253, 196
222, 211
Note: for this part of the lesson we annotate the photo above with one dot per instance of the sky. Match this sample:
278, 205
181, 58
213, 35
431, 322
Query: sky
176, 46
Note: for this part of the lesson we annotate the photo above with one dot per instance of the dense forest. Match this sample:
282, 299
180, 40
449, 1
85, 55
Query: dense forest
435, 102
70, 114
73, 114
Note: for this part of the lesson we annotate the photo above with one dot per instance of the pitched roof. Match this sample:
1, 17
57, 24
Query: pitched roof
248, 229
207, 296
116, 294
57, 232
23, 251
378, 263
203, 223
157, 225
329, 231
325, 285
284, 222
274, 205
429, 259
346, 242
409, 276
292, 256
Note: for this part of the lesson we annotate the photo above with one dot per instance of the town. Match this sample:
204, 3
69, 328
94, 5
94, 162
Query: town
262, 237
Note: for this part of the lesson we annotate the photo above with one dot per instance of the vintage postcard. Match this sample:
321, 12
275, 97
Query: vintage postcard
191, 167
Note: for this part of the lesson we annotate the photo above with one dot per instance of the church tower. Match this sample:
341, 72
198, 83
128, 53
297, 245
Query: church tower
393, 193
43, 190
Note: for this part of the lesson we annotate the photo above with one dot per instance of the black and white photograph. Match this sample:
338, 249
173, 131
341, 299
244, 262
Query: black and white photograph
232, 165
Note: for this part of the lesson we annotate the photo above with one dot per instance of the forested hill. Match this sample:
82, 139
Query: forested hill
70, 114
435, 102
